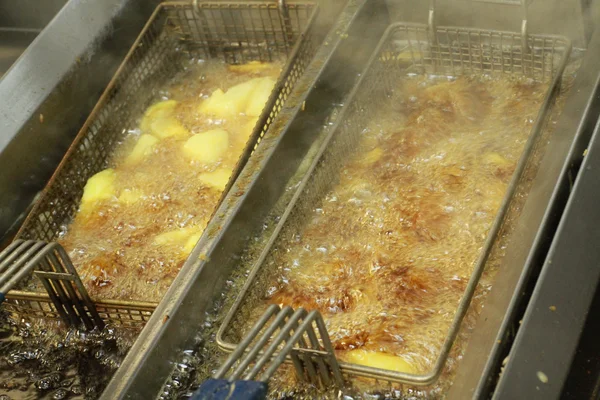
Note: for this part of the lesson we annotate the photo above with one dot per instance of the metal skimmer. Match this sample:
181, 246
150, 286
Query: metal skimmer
310, 349
279, 333
177, 32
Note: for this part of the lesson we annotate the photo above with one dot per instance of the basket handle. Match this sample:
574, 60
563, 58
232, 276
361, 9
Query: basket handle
52, 265
284, 12
222, 389
432, 23
524, 4
279, 334
524, 27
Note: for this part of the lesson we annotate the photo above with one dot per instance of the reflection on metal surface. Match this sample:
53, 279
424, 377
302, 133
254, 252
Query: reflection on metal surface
13, 43
20, 23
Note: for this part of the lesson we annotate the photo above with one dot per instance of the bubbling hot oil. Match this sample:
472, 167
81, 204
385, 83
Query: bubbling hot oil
114, 247
387, 254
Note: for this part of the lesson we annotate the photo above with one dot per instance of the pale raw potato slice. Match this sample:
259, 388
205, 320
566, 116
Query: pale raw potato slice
378, 359
191, 242
217, 179
176, 237
142, 149
167, 127
207, 147
235, 101
101, 186
217, 104
252, 66
240, 94
259, 96
161, 109
130, 196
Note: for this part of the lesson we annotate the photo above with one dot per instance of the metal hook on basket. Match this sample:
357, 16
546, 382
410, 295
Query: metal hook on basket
284, 11
282, 4
431, 22
196, 6
524, 28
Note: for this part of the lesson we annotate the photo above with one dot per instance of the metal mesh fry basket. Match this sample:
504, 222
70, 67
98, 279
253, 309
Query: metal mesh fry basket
406, 49
176, 33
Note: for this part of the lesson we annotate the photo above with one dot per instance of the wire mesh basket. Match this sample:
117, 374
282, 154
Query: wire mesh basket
406, 49
176, 33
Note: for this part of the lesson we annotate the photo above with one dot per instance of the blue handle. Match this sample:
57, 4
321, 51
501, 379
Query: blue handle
222, 389
2, 297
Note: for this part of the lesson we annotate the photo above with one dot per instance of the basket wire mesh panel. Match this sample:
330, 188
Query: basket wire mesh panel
176, 33
58, 276
407, 49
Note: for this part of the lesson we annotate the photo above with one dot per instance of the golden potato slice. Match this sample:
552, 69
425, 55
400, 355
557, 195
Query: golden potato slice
217, 179
160, 121
245, 98
372, 156
130, 196
166, 127
404, 55
233, 102
156, 111
378, 359
250, 67
142, 149
161, 106
191, 242
207, 147
259, 96
496, 159
175, 237
101, 186
218, 104
240, 94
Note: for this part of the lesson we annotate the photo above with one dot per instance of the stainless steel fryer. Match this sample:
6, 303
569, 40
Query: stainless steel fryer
410, 48
195, 303
176, 33
41, 83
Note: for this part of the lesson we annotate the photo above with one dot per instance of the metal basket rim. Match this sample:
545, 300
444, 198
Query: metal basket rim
396, 25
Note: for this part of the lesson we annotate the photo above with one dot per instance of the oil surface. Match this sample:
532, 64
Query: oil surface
388, 253
41, 361
114, 246
202, 360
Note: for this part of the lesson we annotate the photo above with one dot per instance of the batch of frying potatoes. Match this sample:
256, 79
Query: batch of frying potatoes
139, 219
410, 213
